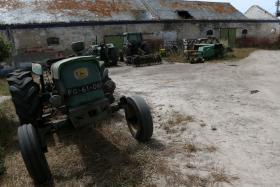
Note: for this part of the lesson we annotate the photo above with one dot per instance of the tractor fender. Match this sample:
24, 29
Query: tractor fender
105, 73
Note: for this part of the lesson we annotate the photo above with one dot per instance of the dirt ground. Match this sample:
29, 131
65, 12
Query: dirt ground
235, 107
216, 124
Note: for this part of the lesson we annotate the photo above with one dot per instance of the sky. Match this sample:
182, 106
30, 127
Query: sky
244, 5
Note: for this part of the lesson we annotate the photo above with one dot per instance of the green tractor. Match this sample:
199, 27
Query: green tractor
106, 52
77, 90
205, 49
137, 51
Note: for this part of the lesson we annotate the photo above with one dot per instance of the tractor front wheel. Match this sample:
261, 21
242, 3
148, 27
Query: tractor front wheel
139, 118
33, 155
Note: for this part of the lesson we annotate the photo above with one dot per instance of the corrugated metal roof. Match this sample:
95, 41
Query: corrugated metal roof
44, 11
39, 11
166, 9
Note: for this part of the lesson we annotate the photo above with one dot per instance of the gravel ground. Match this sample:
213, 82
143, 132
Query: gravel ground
232, 108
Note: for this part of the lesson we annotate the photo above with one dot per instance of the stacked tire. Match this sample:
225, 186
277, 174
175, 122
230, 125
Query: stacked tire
25, 95
113, 56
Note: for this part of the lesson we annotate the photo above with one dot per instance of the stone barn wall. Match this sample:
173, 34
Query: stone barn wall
30, 43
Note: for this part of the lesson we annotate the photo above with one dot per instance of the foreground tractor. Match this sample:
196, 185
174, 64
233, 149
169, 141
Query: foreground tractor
79, 92
137, 51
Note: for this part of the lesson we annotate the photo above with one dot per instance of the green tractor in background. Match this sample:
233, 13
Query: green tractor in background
77, 89
139, 52
204, 49
106, 52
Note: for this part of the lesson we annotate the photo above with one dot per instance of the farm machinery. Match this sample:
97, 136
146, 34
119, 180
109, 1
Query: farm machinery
78, 89
133, 49
138, 52
203, 49
106, 52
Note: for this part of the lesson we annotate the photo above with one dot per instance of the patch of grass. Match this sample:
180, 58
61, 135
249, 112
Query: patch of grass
105, 156
177, 119
2, 167
8, 123
219, 176
239, 53
191, 148
211, 148
178, 57
4, 88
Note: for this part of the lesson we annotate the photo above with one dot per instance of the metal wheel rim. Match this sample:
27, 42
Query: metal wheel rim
133, 121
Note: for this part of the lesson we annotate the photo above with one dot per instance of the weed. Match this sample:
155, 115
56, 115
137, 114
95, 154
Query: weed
238, 53
8, 122
4, 89
219, 176
211, 148
191, 148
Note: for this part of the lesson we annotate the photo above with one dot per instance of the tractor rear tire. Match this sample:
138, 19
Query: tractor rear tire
128, 51
139, 118
146, 47
32, 154
114, 56
25, 95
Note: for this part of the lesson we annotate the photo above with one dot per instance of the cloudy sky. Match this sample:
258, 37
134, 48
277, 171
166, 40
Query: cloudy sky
243, 5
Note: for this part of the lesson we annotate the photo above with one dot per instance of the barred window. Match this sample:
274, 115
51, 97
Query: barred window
52, 41
244, 31
210, 33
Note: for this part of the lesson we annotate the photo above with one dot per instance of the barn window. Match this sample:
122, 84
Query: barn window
184, 14
53, 41
244, 31
210, 33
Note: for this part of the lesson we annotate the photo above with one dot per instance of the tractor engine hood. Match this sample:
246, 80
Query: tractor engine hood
58, 66
79, 80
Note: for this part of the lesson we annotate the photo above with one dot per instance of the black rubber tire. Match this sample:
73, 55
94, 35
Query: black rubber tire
137, 113
146, 48
32, 154
25, 95
128, 51
114, 56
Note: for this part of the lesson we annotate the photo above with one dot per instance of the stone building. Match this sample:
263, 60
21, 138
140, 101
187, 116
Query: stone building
42, 29
257, 12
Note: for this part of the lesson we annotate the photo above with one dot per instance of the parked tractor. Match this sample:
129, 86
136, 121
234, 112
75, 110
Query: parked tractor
204, 49
106, 52
137, 51
77, 89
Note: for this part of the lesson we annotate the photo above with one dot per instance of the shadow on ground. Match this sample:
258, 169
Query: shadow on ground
102, 156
